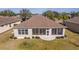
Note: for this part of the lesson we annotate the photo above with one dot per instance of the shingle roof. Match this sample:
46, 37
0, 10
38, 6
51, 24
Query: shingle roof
74, 20
39, 21
7, 20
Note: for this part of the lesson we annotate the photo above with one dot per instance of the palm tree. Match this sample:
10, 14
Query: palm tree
25, 14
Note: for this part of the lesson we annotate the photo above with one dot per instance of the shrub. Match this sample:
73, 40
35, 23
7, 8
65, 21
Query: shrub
15, 37
37, 37
33, 37
65, 36
60, 37
12, 36
26, 37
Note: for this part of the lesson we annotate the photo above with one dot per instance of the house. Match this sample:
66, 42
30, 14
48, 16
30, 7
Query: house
73, 24
6, 23
39, 26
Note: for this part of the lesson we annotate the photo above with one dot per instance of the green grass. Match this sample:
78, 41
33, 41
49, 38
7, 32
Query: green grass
73, 37
38, 44
5, 36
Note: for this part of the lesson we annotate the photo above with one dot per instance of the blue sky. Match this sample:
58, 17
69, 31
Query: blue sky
41, 10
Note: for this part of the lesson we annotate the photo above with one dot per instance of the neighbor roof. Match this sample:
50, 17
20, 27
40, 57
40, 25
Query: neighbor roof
7, 20
74, 20
39, 21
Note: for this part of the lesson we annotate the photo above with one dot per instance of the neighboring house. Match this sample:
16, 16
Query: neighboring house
6, 23
39, 26
73, 24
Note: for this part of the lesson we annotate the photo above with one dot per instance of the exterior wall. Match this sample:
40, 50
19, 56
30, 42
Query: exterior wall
22, 36
72, 26
44, 37
12, 25
4, 28
7, 27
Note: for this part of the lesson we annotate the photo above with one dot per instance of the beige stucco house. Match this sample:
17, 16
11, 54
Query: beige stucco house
39, 26
7, 23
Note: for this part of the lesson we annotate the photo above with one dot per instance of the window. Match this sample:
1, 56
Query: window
54, 30
38, 31
34, 31
42, 31
19, 31
60, 31
22, 31
26, 31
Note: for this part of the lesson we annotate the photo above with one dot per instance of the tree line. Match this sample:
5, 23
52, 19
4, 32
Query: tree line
26, 14
60, 16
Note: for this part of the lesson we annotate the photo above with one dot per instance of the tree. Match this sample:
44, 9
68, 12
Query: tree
56, 14
53, 14
64, 15
7, 13
77, 13
25, 14
49, 14
74, 14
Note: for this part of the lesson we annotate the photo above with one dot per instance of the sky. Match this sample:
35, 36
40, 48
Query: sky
41, 10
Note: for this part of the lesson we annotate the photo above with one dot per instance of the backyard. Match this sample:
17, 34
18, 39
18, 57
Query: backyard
69, 43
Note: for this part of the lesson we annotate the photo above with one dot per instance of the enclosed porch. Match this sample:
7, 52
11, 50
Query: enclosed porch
43, 33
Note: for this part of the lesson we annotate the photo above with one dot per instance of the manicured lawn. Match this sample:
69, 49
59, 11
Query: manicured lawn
73, 37
71, 43
5, 36
47, 45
